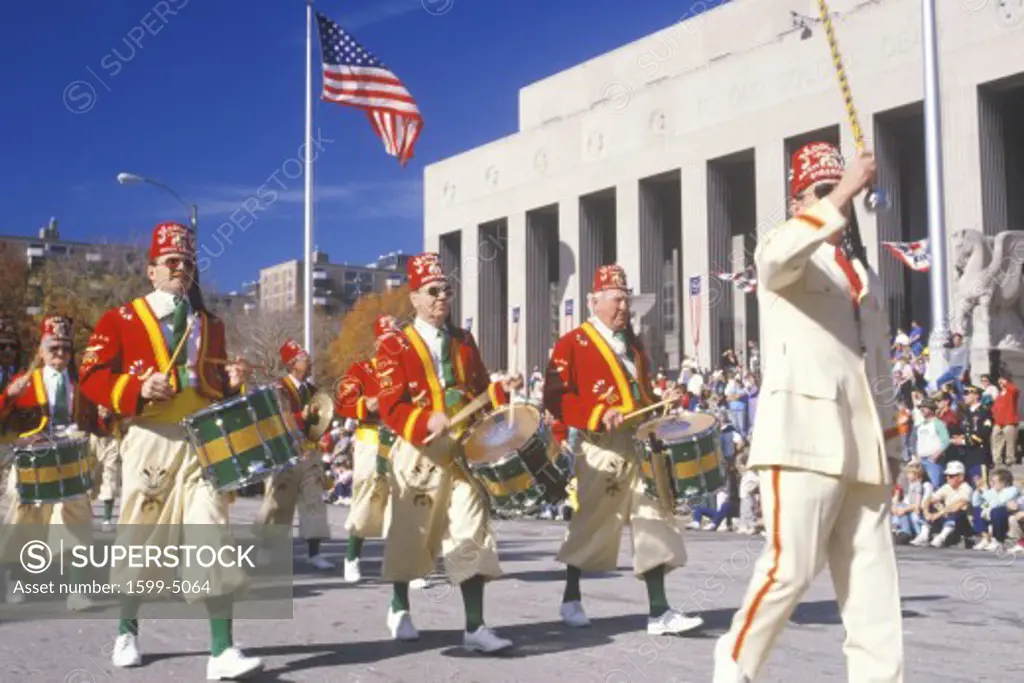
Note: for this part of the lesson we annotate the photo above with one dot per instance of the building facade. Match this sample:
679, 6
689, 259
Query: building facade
670, 155
336, 286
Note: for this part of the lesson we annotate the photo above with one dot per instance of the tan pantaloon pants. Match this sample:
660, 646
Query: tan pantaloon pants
435, 510
611, 496
107, 476
369, 489
302, 487
812, 519
166, 501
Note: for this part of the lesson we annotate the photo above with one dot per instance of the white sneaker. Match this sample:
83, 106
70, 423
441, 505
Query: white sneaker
940, 540
708, 525
231, 665
724, 526
401, 626
419, 584
994, 546
1017, 549
352, 573
320, 563
485, 640
573, 614
693, 525
673, 622
126, 652
922, 537
78, 602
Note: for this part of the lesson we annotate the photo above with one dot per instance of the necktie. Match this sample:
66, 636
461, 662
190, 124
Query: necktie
179, 323
851, 275
633, 386
452, 396
60, 417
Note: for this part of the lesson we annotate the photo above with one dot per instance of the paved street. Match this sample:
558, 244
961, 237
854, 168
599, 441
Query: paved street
962, 610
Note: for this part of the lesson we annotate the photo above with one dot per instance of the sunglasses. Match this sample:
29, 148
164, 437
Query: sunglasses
438, 291
821, 190
59, 348
173, 263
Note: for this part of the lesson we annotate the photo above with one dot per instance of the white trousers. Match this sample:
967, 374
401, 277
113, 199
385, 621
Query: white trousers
811, 519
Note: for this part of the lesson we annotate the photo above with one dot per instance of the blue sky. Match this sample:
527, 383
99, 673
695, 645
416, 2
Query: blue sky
208, 97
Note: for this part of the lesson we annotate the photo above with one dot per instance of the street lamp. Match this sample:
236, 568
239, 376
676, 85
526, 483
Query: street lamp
133, 179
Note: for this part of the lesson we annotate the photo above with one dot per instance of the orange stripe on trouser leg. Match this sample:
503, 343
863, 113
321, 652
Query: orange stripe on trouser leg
769, 580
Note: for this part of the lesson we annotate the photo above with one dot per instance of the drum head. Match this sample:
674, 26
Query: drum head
503, 431
677, 429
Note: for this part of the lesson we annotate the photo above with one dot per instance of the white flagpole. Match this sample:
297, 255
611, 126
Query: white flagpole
308, 288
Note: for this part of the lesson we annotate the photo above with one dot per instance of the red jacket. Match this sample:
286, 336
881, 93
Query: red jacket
410, 390
29, 413
1004, 408
358, 384
585, 378
128, 345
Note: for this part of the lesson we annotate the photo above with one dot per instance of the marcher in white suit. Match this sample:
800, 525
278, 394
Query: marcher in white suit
825, 443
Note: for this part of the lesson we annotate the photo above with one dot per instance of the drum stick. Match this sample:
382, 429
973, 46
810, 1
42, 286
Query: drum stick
653, 406
461, 416
177, 351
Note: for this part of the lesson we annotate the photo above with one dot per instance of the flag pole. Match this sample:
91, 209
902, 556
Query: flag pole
308, 276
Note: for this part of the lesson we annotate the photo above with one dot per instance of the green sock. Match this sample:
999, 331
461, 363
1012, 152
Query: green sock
572, 585
354, 548
314, 547
129, 623
108, 510
221, 637
400, 597
473, 601
655, 580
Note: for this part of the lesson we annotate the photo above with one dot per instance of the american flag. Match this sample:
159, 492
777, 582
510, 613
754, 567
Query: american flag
914, 255
745, 280
355, 77
695, 309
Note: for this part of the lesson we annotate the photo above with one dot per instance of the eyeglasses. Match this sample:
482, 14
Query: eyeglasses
438, 291
174, 263
59, 348
821, 190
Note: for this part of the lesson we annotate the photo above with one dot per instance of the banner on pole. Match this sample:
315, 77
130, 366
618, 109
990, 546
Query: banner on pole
515, 324
568, 314
469, 324
695, 311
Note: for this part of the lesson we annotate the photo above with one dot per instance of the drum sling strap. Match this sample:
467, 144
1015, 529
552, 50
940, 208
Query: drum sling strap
180, 324
452, 396
61, 416
634, 387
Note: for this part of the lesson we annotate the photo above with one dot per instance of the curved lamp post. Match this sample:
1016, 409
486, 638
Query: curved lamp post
133, 179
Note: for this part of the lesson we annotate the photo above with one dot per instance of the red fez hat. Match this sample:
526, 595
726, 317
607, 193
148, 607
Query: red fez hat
8, 330
290, 351
171, 238
56, 327
424, 269
385, 323
609, 277
814, 163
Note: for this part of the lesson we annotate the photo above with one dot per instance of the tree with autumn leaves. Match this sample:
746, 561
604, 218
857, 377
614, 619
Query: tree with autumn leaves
355, 342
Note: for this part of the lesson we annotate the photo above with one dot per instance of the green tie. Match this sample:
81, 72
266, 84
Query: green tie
60, 417
451, 395
180, 324
633, 386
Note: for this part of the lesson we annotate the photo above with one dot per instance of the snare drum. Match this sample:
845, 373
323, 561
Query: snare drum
52, 469
245, 439
680, 457
512, 453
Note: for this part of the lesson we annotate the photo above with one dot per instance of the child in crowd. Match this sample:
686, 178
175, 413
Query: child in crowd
907, 505
717, 515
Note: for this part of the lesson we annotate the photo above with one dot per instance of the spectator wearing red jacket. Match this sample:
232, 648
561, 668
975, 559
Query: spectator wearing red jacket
1005, 418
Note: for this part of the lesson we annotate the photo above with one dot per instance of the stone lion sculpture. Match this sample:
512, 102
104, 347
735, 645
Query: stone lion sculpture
988, 305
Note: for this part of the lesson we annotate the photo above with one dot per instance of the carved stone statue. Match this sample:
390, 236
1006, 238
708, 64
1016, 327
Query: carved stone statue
987, 305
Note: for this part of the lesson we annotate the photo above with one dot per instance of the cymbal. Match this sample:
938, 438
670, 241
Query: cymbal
322, 416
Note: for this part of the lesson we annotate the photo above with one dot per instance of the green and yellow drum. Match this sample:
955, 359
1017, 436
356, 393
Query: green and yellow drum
512, 454
52, 468
680, 457
245, 439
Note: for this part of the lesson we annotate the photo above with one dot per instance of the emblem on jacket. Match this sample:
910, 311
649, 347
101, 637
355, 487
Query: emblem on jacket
153, 488
126, 313
581, 339
422, 479
616, 478
606, 394
421, 399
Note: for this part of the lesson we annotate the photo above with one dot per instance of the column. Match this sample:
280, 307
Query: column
469, 277
569, 262
628, 233
890, 227
696, 262
519, 265
652, 264
770, 196
737, 252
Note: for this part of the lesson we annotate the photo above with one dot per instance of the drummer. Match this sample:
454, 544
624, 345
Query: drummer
598, 373
426, 375
128, 369
40, 403
301, 486
356, 399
